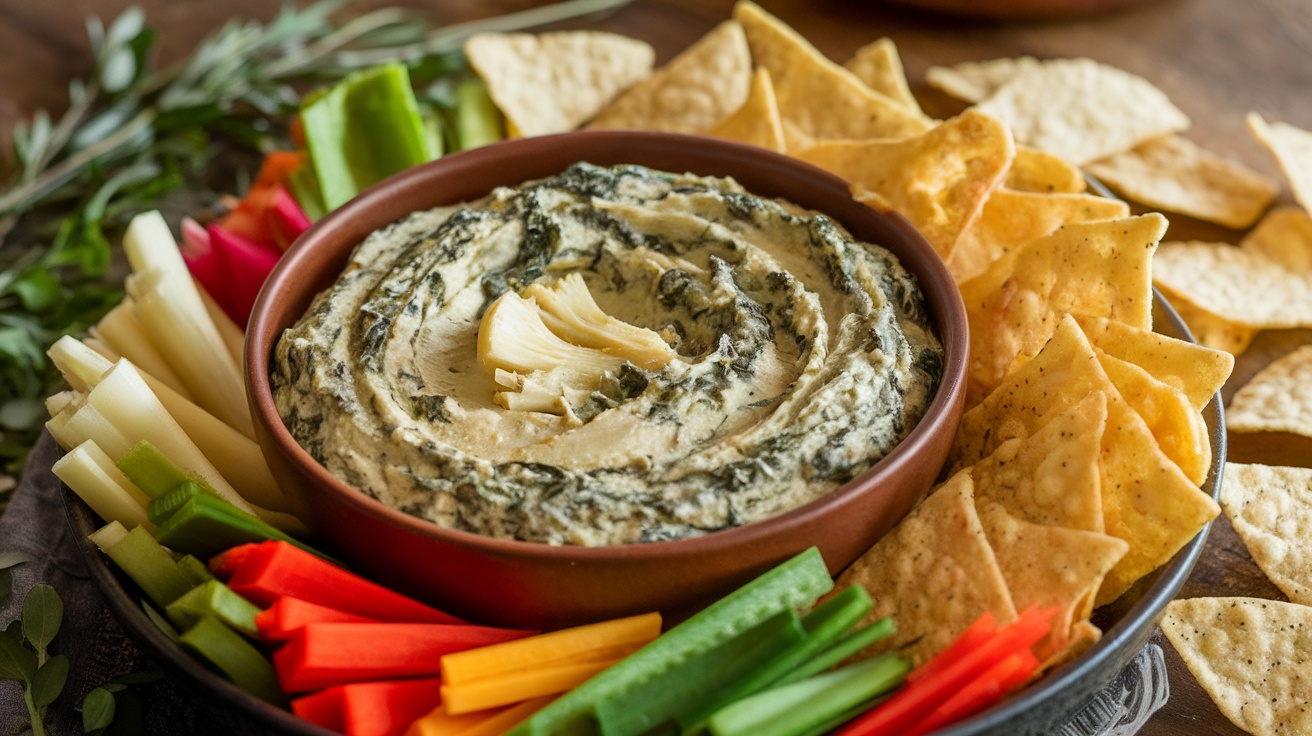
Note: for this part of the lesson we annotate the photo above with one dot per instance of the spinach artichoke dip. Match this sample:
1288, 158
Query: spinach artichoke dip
609, 356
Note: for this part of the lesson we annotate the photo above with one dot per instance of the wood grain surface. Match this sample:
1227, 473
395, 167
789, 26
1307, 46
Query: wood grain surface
1216, 59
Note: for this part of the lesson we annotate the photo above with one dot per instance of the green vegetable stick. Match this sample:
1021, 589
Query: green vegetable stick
150, 566
842, 649
151, 469
796, 582
478, 121
235, 657
214, 599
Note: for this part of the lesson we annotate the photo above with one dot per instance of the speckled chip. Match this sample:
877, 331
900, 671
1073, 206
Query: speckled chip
1270, 508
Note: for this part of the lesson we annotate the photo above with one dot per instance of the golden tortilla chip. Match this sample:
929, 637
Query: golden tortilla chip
1277, 399
1099, 268
757, 122
1177, 426
935, 573
1050, 566
1270, 508
879, 66
1082, 110
938, 180
1220, 279
972, 81
1283, 236
821, 98
1012, 218
695, 90
554, 82
1251, 656
1051, 476
1197, 370
1209, 329
1173, 173
1292, 148
1039, 171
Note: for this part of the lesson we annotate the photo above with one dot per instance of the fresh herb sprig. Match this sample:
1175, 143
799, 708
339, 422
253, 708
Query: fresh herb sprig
136, 137
25, 656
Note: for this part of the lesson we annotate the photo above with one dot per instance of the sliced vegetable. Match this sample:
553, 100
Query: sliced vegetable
152, 470
979, 631
387, 708
323, 708
326, 654
517, 687
150, 566
224, 564
285, 615
848, 645
990, 687
246, 264
796, 582
195, 570
477, 120
277, 568
91, 474
492, 722
215, 599
286, 218
235, 657
192, 519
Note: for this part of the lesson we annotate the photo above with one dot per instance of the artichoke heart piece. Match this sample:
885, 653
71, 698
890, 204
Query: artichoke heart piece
553, 346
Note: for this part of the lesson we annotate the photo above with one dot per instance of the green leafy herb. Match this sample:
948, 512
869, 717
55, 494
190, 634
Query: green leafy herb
100, 707
24, 656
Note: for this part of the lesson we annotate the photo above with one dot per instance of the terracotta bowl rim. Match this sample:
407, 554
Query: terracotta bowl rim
941, 296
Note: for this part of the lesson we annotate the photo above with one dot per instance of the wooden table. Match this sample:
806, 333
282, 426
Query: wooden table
1216, 59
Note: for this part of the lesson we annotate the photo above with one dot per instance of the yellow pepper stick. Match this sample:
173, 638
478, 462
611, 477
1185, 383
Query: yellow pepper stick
519, 686
484, 723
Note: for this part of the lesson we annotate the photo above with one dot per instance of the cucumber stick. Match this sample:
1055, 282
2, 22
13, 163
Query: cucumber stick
795, 583
842, 649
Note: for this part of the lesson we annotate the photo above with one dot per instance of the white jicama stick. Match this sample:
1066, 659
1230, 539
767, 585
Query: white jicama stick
87, 423
84, 469
56, 403
81, 365
108, 535
234, 336
101, 347
124, 334
173, 314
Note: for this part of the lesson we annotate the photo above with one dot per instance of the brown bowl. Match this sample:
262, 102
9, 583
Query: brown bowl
523, 584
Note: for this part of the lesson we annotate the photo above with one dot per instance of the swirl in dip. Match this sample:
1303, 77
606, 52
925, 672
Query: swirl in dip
797, 357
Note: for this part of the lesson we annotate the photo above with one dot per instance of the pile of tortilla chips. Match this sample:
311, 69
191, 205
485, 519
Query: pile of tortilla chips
1076, 469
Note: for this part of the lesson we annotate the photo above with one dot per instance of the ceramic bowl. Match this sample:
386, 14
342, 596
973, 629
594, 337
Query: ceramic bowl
521, 584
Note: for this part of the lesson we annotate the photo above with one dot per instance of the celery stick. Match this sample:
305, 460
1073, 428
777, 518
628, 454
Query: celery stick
796, 709
150, 566
226, 650
305, 190
160, 622
195, 570
81, 366
108, 535
151, 470
109, 494
796, 582
478, 121
823, 626
192, 520
842, 649
214, 599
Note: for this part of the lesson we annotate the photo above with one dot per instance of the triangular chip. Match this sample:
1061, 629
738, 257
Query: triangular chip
1208, 329
879, 66
1283, 236
1197, 370
1082, 110
757, 122
972, 81
1219, 278
1097, 268
1012, 218
695, 90
938, 180
934, 574
1277, 399
1292, 148
1051, 476
821, 98
1039, 171
1177, 426
1270, 508
1252, 656
554, 82
1174, 174
1050, 566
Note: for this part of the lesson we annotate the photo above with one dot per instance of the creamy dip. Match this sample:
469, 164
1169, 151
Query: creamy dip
803, 357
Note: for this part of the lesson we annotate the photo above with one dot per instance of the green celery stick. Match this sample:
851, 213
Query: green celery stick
160, 622
197, 571
108, 535
305, 190
226, 650
797, 709
478, 121
796, 582
362, 130
823, 625
150, 566
842, 649
698, 682
206, 525
838, 720
217, 600
151, 470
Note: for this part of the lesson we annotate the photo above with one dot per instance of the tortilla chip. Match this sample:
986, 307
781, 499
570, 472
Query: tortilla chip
879, 66
1011, 218
938, 180
1039, 171
935, 573
1173, 173
1271, 510
1050, 566
821, 98
554, 82
1251, 656
1209, 329
972, 81
1051, 476
1292, 148
1283, 236
1277, 399
695, 90
757, 122
1177, 426
1081, 110
1099, 268
1219, 278
1194, 369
